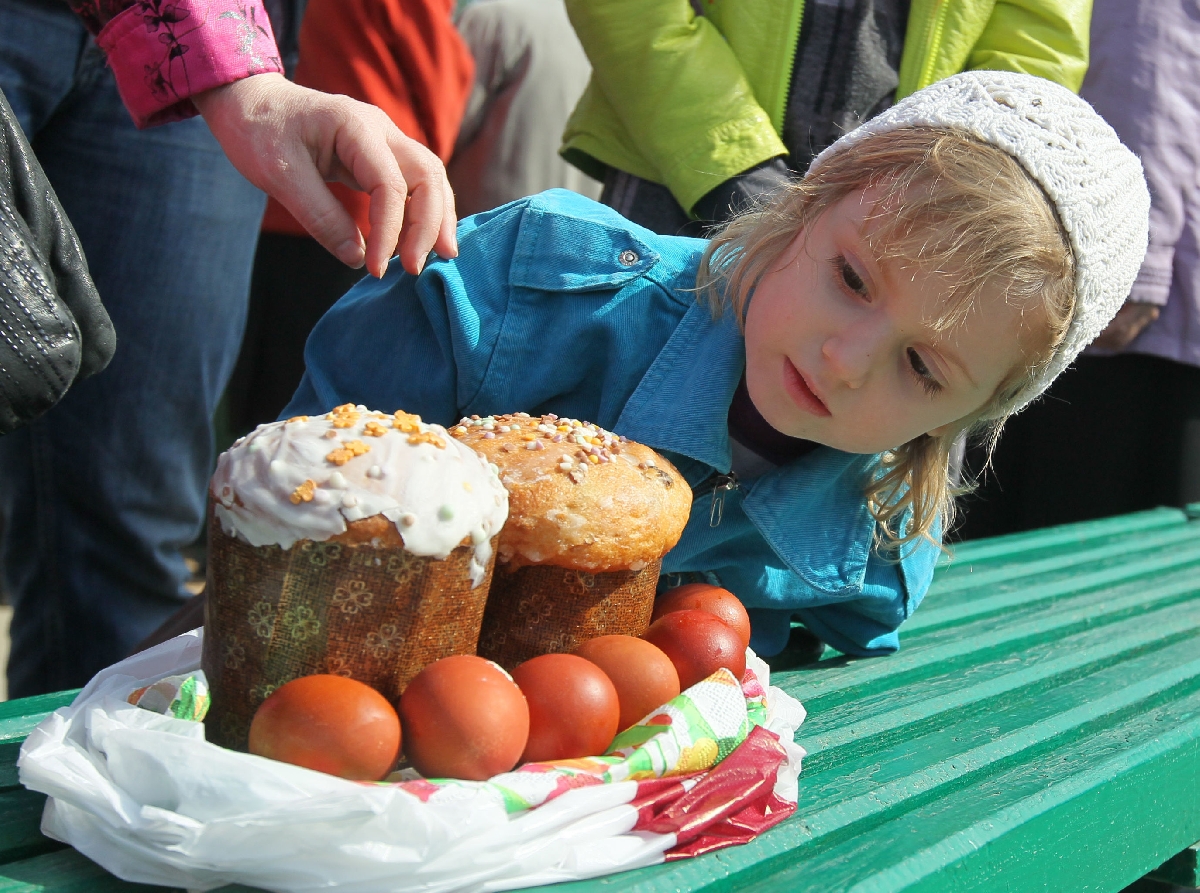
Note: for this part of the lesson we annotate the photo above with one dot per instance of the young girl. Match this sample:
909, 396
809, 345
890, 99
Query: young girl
809, 368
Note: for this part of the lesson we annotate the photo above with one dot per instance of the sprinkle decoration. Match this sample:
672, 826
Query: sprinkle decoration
303, 493
596, 445
347, 452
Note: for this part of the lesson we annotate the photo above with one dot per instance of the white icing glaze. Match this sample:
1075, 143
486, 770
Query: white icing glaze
279, 484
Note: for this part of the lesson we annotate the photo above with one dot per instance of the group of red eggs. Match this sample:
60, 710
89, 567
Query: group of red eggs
464, 717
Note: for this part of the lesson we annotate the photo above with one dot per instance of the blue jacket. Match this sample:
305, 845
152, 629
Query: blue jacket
558, 304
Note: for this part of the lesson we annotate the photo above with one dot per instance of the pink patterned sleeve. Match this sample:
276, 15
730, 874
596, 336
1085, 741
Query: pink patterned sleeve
164, 52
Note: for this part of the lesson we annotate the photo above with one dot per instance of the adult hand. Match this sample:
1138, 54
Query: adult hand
1126, 325
288, 140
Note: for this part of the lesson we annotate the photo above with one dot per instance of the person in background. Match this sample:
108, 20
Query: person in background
530, 70
689, 117
406, 58
1121, 431
99, 494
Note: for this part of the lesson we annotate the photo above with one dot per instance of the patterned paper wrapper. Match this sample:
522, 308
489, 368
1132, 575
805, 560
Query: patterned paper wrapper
543, 609
373, 614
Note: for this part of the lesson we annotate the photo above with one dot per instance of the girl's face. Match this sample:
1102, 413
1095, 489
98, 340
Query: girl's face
842, 349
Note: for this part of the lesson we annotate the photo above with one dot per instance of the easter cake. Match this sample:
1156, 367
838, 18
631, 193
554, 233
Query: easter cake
354, 543
591, 515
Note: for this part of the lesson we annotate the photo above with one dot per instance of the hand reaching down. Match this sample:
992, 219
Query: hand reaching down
288, 140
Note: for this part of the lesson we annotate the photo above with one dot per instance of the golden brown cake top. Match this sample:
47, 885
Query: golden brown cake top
579, 496
308, 477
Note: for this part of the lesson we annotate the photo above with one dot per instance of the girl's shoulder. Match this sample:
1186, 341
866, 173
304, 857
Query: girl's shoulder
559, 240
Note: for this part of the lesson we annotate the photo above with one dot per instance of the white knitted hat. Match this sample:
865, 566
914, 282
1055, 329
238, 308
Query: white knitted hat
1094, 181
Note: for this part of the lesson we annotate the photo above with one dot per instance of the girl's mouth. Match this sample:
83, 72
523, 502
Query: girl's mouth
800, 392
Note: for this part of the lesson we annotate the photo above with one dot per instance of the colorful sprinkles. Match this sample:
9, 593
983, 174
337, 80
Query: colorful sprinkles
595, 446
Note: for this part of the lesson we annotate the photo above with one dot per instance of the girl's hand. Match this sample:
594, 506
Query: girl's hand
288, 140
1127, 325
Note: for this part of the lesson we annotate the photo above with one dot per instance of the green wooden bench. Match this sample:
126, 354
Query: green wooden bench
1039, 730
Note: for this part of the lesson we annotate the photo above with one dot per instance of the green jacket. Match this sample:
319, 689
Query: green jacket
689, 101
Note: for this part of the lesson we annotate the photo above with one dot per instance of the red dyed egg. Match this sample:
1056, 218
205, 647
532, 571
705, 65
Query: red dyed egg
698, 644
573, 707
642, 674
331, 724
705, 597
463, 717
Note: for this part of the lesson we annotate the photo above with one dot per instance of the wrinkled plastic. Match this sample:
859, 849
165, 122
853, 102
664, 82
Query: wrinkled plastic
144, 795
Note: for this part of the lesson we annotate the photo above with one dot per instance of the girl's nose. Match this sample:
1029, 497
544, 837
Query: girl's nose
849, 356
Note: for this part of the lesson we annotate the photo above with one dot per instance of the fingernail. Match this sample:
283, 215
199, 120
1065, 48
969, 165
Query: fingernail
352, 253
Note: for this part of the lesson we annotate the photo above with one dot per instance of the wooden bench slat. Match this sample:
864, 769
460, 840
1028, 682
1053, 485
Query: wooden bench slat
955, 649
20, 823
66, 871
1167, 546
18, 718
937, 708
1014, 545
1087, 649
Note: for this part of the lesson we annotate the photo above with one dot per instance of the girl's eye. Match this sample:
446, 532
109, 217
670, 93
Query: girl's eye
850, 278
924, 377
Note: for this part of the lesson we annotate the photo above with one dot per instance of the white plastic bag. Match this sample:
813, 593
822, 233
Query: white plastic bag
145, 796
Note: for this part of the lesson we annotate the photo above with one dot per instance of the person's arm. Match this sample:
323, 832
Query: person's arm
868, 625
681, 95
218, 58
402, 56
1047, 38
288, 140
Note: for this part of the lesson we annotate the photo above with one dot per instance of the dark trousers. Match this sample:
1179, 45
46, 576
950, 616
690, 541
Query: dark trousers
1113, 435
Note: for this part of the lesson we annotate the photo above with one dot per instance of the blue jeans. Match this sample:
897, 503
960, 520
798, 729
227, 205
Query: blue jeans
100, 494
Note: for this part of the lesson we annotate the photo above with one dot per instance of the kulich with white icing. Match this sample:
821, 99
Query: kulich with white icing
309, 477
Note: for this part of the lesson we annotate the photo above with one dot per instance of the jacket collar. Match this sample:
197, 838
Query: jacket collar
810, 511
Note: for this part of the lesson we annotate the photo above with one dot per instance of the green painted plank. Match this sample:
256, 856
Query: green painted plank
1017, 544
1098, 831
1056, 660
1109, 594
976, 573
1163, 545
20, 823
1148, 572
826, 685
1023, 729
8, 765
18, 718
66, 871
867, 733
830, 847
844, 829
1034, 828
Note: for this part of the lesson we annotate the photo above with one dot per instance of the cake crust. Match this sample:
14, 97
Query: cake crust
580, 497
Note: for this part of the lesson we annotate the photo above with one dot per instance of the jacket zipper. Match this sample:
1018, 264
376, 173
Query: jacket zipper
793, 37
721, 485
932, 39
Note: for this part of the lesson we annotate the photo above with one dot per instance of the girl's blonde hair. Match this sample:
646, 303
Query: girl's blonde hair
951, 203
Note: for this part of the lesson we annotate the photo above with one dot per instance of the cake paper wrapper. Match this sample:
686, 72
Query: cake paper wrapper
545, 609
378, 615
